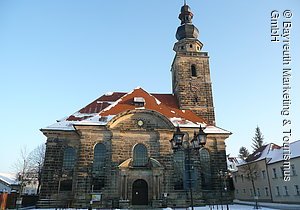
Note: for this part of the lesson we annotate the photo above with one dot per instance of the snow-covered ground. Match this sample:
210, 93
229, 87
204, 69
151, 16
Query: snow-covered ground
239, 205
231, 207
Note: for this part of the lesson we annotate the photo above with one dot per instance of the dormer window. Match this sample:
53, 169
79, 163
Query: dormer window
194, 70
139, 101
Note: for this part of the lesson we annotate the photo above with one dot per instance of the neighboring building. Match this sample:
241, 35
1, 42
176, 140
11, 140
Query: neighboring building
8, 183
263, 175
232, 163
280, 170
30, 183
116, 151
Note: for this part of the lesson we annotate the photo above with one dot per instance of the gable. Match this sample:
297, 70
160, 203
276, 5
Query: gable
140, 119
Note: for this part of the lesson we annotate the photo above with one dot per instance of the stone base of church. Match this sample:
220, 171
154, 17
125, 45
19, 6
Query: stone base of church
177, 200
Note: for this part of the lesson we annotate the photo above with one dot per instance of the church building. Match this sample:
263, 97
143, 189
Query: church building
135, 149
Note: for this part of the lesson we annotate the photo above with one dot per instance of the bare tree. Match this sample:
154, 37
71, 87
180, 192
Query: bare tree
22, 167
250, 170
37, 157
29, 166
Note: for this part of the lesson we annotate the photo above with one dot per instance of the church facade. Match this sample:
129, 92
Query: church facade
119, 151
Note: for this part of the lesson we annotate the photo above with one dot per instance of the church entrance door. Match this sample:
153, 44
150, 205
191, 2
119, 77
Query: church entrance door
140, 192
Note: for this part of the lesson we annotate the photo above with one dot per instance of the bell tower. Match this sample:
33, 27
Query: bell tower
191, 81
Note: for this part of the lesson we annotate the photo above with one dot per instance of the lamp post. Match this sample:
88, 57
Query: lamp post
198, 141
223, 177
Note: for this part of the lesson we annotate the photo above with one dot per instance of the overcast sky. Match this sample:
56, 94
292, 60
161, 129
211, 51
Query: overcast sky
57, 56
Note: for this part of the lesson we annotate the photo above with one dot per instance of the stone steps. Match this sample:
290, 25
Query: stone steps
51, 203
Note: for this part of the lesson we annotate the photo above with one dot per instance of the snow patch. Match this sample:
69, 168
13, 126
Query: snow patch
157, 101
140, 108
108, 94
113, 104
81, 115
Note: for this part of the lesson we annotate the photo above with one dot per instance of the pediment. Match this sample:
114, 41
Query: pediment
140, 119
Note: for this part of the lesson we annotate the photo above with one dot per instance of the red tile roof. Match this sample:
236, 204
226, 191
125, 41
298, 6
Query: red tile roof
117, 102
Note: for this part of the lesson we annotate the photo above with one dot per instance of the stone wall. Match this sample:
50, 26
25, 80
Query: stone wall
119, 174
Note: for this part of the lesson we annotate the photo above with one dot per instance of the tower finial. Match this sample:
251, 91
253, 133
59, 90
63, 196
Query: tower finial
187, 29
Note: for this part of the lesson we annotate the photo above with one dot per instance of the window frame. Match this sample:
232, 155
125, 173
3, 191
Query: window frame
68, 161
140, 157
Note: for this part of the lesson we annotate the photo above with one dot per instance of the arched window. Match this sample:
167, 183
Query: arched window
194, 70
205, 164
98, 181
99, 157
69, 158
140, 155
179, 170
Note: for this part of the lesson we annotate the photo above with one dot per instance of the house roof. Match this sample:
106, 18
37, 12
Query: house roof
263, 152
104, 108
8, 178
293, 151
233, 162
274, 153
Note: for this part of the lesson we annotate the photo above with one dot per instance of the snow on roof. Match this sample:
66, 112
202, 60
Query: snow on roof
215, 130
96, 120
233, 162
274, 153
277, 156
62, 125
9, 178
263, 152
100, 111
109, 93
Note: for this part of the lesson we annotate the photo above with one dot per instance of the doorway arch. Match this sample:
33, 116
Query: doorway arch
139, 192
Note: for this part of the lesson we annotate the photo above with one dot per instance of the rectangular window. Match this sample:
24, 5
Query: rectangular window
267, 191
274, 173
297, 191
263, 174
286, 190
244, 190
237, 191
242, 177
293, 170
258, 192
251, 192
277, 191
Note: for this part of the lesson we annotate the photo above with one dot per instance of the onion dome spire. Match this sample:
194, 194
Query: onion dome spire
187, 29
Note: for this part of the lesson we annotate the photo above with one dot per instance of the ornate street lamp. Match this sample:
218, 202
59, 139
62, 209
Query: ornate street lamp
195, 142
223, 177
201, 137
177, 139
198, 141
